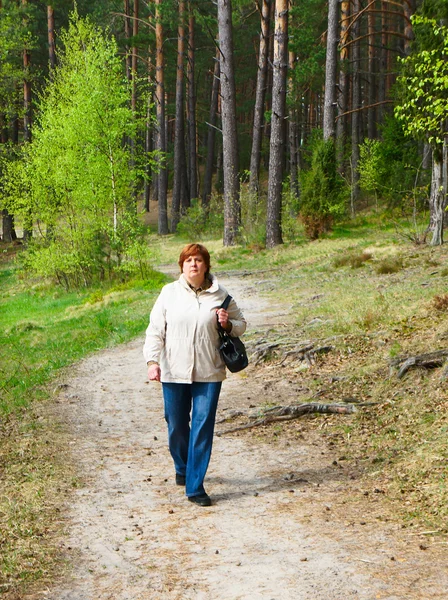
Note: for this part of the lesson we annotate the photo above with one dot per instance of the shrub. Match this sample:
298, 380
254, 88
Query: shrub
352, 259
322, 199
200, 221
391, 264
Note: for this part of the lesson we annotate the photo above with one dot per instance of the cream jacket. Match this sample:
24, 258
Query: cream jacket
182, 335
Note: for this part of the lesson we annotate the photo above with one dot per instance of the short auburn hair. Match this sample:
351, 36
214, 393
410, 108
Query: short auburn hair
191, 250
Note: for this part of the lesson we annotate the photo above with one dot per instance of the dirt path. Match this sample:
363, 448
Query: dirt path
277, 529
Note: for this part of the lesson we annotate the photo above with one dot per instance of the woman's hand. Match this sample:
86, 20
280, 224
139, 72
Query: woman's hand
223, 319
154, 372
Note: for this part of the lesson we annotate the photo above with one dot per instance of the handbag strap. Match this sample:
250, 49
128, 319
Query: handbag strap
224, 305
226, 302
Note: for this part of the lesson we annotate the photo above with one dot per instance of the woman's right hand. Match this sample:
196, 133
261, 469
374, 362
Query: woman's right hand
154, 372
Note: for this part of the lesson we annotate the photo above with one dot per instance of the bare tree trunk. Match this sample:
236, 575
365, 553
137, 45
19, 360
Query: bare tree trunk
148, 140
341, 125
179, 132
293, 137
232, 207
260, 94
134, 57
51, 45
27, 122
161, 126
192, 136
408, 9
371, 115
356, 95
127, 35
277, 142
208, 175
330, 71
437, 200
383, 62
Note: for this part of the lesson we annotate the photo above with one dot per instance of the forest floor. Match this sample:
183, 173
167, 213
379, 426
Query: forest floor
290, 518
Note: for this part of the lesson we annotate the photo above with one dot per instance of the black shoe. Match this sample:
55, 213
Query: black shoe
202, 500
180, 479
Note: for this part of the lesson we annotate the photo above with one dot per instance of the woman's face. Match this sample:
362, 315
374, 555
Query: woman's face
194, 269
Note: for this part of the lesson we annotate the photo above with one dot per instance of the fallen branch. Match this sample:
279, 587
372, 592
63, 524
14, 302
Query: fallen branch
430, 360
287, 413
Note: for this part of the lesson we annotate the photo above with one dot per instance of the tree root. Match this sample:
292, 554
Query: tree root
430, 360
287, 413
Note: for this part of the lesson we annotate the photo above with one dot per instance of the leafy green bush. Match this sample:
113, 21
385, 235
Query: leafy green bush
322, 198
200, 222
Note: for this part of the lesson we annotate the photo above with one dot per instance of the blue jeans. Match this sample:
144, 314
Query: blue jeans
191, 446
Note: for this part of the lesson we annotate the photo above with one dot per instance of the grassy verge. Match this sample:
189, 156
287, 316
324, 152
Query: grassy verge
43, 330
364, 288
373, 298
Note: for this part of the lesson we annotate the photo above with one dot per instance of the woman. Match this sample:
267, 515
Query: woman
181, 351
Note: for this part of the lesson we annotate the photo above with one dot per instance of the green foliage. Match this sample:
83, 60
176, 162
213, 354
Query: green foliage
423, 88
199, 221
322, 199
371, 170
76, 176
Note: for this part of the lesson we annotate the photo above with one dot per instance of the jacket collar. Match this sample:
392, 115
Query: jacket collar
213, 288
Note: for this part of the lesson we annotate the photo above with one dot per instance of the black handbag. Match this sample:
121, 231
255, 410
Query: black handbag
232, 349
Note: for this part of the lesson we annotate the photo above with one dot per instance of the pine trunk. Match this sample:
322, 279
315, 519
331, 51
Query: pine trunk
161, 126
51, 45
211, 136
179, 131
293, 133
330, 71
356, 97
277, 142
371, 114
342, 96
232, 207
192, 141
260, 94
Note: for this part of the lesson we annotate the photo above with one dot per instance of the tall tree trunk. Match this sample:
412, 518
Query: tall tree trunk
127, 35
438, 195
371, 114
161, 126
408, 10
51, 45
27, 123
232, 206
293, 133
277, 142
341, 125
356, 102
148, 139
383, 62
134, 57
192, 136
179, 132
211, 136
260, 94
330, 71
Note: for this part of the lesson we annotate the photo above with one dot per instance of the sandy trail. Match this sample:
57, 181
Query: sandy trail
132, 535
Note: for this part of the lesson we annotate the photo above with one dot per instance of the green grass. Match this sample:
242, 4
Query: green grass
371, 316
43, 329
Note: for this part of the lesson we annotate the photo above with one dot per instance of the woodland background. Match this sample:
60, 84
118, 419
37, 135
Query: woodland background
247, 118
